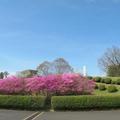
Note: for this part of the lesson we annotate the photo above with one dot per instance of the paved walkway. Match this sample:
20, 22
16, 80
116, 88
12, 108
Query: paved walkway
14, 115
92, 115
89, 115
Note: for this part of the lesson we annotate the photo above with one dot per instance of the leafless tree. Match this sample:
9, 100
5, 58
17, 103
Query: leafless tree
62, 66
58, 66
110, 58
43, 68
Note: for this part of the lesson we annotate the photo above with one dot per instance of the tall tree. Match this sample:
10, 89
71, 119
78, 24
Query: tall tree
5, 74
110, 61
1, 75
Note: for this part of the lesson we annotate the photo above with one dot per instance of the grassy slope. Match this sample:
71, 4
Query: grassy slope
113, 78
98, 92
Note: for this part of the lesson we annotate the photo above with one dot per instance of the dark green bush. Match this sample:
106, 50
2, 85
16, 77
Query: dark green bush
97, 79
96, 86
89, 77
107, 80
101, 87
22, 102
118, 81
102, 80
112, 88
85, 102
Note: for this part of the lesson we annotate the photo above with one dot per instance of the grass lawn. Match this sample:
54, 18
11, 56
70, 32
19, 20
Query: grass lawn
105, 92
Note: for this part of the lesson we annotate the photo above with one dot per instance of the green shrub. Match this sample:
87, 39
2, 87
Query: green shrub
22, 102
96, 86
113, 82
107, 80
101, 87
102, 80
113, 71
97, 79
118, 81
112, 88
89, 77
85, 102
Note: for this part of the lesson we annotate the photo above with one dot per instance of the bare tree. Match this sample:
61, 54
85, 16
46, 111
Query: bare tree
43, 68
58, 66
110, 58
62, 66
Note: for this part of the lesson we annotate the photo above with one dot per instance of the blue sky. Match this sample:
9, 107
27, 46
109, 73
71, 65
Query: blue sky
32, 31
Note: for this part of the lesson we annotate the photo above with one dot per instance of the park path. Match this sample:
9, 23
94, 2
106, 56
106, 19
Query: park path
85, 115
89, 115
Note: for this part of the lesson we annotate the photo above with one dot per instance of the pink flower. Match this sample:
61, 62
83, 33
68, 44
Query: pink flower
52, 84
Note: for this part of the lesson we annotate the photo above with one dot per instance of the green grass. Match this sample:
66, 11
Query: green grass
98, 92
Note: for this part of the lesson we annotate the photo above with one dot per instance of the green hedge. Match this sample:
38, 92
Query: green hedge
97, 79
112, 88
107, 80
85, 102
101, 87
22, 102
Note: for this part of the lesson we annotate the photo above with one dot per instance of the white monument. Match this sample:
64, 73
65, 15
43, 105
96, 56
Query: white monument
84, 71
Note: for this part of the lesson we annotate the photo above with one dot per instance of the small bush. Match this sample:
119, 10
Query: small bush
85, 102
97, 79
22, 102
96, 86
102, 80
118, 81
107, 80
102, 87
112, 88
89, 77
113, 82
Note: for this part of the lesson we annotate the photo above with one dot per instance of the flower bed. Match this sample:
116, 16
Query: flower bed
66, 84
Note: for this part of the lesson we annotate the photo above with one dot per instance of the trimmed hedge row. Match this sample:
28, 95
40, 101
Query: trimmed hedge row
103, 80
110, 88
107, 80
22, 102
85, 102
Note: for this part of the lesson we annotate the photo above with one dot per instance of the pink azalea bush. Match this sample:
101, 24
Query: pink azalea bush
66, 84
12, 85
